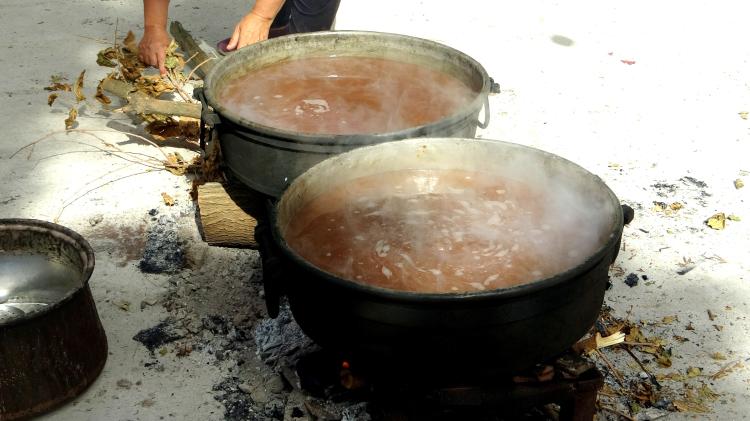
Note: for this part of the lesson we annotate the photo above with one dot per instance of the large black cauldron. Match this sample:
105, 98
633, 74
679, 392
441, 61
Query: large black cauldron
466, 335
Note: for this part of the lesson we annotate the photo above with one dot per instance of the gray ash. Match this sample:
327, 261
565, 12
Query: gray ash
163, 252
664, 189
697, 183
159, 335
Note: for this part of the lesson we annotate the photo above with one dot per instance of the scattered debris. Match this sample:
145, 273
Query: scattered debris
628, 62
717, 222
631, 280
124, 305
588, 346
733, 218
124, 383
159, 335
738, 184
167, 199
743, 114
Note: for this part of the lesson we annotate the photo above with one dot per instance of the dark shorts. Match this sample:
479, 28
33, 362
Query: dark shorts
307, 15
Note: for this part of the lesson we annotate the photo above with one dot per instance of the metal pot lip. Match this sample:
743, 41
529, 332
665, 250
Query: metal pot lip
339, 139
63, 234
448, 298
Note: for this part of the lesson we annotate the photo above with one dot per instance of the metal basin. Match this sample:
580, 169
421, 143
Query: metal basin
52, 344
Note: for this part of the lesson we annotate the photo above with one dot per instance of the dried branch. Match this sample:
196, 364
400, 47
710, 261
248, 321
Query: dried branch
727, 368
87, 131
66, 201
188, 45
178, 88
198, 66
609, 364
144, 104
609, 408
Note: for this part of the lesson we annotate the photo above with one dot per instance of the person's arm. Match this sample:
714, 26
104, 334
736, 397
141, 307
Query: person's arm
254, 27
153, 46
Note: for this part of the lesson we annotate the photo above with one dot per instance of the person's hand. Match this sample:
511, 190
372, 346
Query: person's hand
251, 29
153, 48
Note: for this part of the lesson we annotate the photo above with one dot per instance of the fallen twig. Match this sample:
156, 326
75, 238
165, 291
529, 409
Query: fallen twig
727, 368
178, 88
609, 364
87, 131
199, 65
650, 376
64, 204
609, 408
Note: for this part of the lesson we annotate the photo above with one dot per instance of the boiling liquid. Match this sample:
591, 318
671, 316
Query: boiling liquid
345, 95
435, 231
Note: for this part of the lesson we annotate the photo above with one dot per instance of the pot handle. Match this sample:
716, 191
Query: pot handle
494, 89
208, 116
486, 114
272, 267
628, 214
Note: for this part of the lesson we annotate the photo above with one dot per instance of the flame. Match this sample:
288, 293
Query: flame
345, 365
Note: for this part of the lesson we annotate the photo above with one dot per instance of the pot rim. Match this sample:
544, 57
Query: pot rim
412, 297
337, 139
63, 234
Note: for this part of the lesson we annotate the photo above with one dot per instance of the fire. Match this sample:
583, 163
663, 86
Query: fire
345, 365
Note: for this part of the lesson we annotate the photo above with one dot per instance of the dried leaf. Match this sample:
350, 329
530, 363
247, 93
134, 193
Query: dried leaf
669, 319
689, 326
78, 87
717, 222
170, 62
190, 128
103, 60
733, 218
173, 166
718, 356
52, 99
129, 43
675, 206
679, 338
738, 184
693, 372
194, 186
180, 159
719, 328
124, 305
664, 362
153, 85
167, 199
743, 114
100, 95
58, 87
162, 130
72, 114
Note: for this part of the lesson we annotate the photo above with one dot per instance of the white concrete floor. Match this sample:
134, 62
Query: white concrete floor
674, 113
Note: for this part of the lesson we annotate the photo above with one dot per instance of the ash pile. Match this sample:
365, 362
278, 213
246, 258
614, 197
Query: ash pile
216, 315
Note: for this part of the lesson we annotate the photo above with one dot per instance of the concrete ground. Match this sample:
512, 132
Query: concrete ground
653, 130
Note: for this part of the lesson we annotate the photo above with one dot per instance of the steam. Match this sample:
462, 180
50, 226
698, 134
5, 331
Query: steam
449, 230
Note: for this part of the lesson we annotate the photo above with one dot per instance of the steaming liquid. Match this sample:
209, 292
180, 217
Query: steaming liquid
345, 95
436, 231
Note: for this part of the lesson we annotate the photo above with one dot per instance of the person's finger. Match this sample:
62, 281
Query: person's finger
234, 39
160, 60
